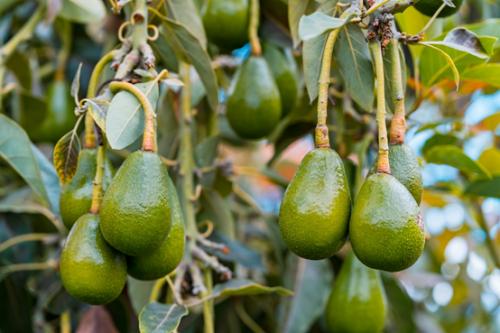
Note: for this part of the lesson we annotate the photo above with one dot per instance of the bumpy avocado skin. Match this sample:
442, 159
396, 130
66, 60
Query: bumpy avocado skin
254, 106
91, 270
429, 7
314, 214
135, 212
386, 231
226, 22
76, 196
165, 258
357, 303
284, 69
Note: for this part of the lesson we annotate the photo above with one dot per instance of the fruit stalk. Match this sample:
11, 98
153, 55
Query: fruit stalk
383, 145
97, 185
321, 133
254, 27
149, 136
398, 122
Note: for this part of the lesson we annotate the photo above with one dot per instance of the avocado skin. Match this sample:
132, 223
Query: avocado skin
283, 68
314, 214
165, 258
60, 117
357, 303
254, 107
226, 22
76, 196
429, 7
405, 168
91, 270
135, 212
386, 231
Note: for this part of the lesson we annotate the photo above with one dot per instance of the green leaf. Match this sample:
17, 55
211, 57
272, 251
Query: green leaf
353, 61
296, 8
49, 178
439, 139
489, 160
431, 75
83, 11
485, 188
125, 116
15, 149
454, 156
486, 73
65, 155
489, 27
19, 65
312, 52
464, 40
311, 282
139, 292
402, 308
217, 210
185, 13
161, 318
243, 287
188, 45
32, 111
389, 91
311, 26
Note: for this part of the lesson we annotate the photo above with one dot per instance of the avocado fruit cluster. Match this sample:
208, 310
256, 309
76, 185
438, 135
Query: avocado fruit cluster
429, 7
138, 231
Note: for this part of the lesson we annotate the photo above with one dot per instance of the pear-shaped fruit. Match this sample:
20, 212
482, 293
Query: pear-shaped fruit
314, 214
135, 212
429, 7
357, 303
60, 116
284, 69
91, 270
226, 22
76, 196
254, 106
386, 230
165, 258
405, 168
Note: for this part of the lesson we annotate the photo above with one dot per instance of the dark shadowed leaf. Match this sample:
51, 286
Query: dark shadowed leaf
455, 157
161, 318
402, 308
485, 188
139, 292
66, 156
19, 65
312, 52
238, 252
464, 40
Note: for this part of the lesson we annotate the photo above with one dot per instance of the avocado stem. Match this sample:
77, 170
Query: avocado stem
321, 138
398, 122
89, 136
97, 185
149, 136
383, 145
253, 28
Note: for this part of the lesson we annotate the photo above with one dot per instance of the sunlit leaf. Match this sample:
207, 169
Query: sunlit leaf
487, 73
455, 157
65, 156
83, 11
161, 318
485, 187
441, 69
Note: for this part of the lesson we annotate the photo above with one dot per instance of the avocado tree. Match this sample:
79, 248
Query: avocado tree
249, 166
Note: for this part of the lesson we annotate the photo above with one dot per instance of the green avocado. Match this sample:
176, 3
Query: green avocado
254, 106
226, 22
91, 270
405, 168
284, 70
60, 117
386, 230
165, 258
135, 211
429, 7
76, 196
357, 303
314, 214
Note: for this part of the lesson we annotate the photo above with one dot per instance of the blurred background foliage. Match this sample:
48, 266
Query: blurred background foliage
455, 285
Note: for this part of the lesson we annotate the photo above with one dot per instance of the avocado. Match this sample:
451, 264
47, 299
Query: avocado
168, 255
135, 211
254, 105
90, 269
386, 230
429, 7
76, 196
314, 214
226, 22
284, 70
357, 303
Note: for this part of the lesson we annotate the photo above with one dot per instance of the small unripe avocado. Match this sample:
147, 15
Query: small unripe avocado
283, 67
135, 212
226, 22
429, 7
386, 230
314, 214
165, 258
254, 106
357, 303
91, 270
76, 196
